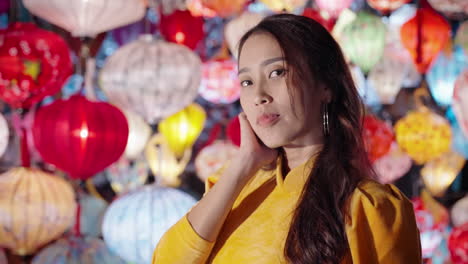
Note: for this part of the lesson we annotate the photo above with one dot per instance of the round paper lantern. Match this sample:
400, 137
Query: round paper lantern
87, 18
363, 40
163, 163
91, 214
74, 249
125, 175
461, 38
138, 134
35, 208
443, 73
386, 6
183, 128
393, 165
434, 32
134, 223
237, 27
424, 135
225, 8
460, 101
34, 63
451, 8
4, 135
459, 212
333, 7
182, 28
325, 20
211, 158
196, 8
152, 78
220, 84
457, 244
233, 131
378, 137
79, 136
283, 5
439, 173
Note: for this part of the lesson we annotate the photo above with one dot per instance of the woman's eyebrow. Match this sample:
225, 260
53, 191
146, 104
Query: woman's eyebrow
264, 63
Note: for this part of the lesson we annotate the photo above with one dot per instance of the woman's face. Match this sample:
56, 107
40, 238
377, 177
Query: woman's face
276, 119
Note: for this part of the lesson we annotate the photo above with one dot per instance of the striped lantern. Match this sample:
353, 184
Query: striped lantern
152, 78
460, 101
35, 208
237, 27
87, 18
220, 84
134, 223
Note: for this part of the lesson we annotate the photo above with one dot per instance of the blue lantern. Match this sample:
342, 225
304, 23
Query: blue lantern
459, 141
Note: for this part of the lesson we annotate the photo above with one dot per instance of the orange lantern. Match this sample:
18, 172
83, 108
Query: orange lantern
424, 36
225, 8
386, 6
197, 9
378, 137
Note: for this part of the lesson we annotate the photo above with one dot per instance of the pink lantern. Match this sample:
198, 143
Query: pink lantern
378, 137
393, 165
458, 244
460, 101
459, 212
213, 157
219, 82
333, 7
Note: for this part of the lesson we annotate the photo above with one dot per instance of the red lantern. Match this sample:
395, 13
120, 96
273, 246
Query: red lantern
34, 63
424, 36
182, 28
79, 136
378, 137
386, 6
328, 22
233, 131
458, 244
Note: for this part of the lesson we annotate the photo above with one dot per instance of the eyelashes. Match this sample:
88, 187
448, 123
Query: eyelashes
273, 74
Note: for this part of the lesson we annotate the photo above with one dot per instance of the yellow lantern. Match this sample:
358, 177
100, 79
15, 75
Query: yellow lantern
283, 5
163, 163
439, 173
35, 208
183, 128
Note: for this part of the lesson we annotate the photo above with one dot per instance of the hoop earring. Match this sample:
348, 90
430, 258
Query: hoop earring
326, 125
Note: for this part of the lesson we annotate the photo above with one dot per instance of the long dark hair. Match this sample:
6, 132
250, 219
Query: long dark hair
317, 232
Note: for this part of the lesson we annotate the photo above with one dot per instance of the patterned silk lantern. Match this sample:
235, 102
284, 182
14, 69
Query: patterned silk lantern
333, 7
125, 175
443, 73
225, 8
460, 101
77, 250
211, 158
219, 82
88, 18
461, 38
283, 5
182, 28
134, 223
34, 63
457, 244
451, 8
152, 78
237, 27
363, 40
4, 134
459, 212
386, 6
393, 165
434, 32
183, 128
138, 134
35, 208
163, 162
84, 145
440, 172
378, 137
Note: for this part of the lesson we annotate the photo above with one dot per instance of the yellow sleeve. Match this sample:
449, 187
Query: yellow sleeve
383, 227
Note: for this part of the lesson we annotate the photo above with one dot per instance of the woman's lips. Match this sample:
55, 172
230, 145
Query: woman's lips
267, 120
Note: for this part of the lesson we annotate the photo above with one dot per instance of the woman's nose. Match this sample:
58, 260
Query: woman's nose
262, 99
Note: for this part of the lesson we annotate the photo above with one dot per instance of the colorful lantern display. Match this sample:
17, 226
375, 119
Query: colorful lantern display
88, 18
168, 6
443, 73
393, 165
163, 163
460, 101
75, 249
457, 244
363, 40
283, 5
461, 38
326, 21
84, 145
211, 158
183, 128
34, 63
451, 8
459, 212
439, 173
138, 134
378, 137
237, 27
333, 7
434, 32
386, 6
182, 28
4, 135
134, 223
196, 8
225, 8
126, 175
152, 78
219, 82
35, 208
132, 32
233, 131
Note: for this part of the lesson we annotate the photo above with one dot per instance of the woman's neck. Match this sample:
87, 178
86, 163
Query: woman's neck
296, 155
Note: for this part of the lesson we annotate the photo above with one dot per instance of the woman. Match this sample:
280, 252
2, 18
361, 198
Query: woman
299, 190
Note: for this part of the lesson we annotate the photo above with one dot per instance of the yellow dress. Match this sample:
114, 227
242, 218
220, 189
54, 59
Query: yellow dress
382, 227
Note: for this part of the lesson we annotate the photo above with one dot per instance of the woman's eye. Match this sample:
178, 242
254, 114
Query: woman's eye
245, 83
277, 73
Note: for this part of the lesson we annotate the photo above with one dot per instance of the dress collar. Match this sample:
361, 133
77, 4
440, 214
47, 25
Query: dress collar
296, 178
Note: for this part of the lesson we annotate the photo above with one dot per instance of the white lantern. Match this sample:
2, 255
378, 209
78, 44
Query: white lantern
213, 157
138, 134
4, 134
88, 17
237, 27
459, 212
153, 78
134, 223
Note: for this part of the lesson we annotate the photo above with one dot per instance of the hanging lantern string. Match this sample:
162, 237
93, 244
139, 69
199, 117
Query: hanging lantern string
88, 79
